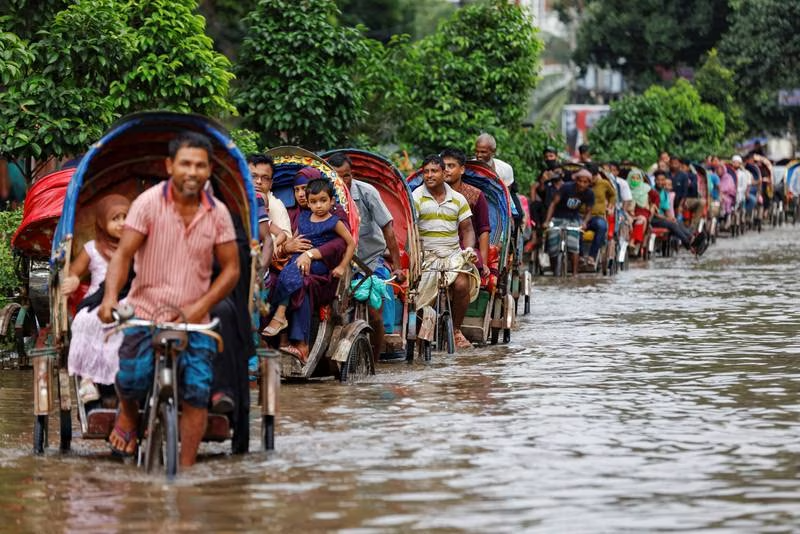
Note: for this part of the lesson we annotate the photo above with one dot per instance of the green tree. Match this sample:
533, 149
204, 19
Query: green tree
716, 85
175, 66
762, 48
674, 119
296, 69
95, 60
648, 40
474, 74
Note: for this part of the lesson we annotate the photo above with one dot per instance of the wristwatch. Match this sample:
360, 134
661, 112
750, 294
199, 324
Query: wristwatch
309, 254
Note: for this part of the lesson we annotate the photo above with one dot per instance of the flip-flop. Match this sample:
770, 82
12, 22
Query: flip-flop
272, 332
294, 351
127, 437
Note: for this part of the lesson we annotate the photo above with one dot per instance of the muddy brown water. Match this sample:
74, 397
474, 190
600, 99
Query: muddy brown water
665, 399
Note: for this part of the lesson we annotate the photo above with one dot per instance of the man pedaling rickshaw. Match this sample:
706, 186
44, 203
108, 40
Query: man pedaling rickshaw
444, 214
375, 236
174, 230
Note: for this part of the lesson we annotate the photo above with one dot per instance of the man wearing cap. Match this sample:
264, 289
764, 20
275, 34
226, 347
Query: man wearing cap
564, 211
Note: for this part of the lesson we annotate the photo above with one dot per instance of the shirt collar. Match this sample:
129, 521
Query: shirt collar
448, 192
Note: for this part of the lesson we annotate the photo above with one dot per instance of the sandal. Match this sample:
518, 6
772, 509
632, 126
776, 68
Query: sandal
272, 332
127, 437
294, 351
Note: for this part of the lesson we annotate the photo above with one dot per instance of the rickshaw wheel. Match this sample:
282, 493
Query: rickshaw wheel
495, 337
162, 441
39, 434
268, 432
65, 430
446, 334
359, 360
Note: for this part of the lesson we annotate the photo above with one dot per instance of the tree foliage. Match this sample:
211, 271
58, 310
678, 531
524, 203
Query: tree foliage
649, 39
675, 119
295, 72
716, 85
474, 74
93, 60
762, 48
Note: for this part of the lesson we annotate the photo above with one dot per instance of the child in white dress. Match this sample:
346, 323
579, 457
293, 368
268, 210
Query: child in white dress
91, 357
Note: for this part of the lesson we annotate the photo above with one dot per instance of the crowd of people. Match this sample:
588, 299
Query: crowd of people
182, 244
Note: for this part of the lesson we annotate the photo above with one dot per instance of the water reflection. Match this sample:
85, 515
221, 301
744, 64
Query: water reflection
663, 399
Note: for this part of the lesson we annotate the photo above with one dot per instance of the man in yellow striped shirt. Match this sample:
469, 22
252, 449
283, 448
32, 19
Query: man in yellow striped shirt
445, 225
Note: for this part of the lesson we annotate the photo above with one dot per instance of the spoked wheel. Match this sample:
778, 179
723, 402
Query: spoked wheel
359, 361
162, 441
268, 432
39, 434
446, 335
65, 434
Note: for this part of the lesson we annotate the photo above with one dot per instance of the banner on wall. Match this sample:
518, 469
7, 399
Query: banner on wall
576, 122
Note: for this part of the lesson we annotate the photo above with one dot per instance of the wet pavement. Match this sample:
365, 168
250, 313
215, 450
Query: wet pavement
664, 399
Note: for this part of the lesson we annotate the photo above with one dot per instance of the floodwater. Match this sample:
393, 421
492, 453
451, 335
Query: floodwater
665, 399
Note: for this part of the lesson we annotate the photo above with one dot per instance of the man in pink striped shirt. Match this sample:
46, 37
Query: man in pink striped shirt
174, 230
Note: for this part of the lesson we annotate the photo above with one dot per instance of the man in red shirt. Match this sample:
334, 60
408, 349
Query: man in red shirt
174, 230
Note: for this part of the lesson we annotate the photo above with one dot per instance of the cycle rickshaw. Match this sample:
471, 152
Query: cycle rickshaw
494, 311
339, 346
20, 320
401, 328
127, 160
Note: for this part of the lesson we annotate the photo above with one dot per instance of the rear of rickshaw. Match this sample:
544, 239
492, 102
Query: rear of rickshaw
127, 160
399, 316
339, 346
21, 319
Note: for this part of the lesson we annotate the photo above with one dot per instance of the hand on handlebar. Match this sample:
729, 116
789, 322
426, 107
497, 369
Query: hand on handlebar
106, 310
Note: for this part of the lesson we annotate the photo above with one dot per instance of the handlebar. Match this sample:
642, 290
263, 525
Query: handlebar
124, 319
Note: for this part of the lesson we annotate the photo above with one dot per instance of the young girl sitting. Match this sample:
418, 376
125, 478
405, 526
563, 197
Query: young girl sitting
319, 226
90, 356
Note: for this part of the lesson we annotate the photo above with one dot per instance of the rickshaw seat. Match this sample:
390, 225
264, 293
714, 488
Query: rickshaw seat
660, 233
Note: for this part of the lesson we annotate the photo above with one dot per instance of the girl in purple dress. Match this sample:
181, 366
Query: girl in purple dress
319, 226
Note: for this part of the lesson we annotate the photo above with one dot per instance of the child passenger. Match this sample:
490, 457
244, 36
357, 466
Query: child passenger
91, 357
319, 226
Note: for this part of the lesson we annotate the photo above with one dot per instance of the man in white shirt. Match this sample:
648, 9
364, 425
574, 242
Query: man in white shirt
485, 149
743, 179
262, 168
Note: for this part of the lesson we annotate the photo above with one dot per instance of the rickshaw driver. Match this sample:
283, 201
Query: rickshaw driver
443, 215
375, 236
174, 230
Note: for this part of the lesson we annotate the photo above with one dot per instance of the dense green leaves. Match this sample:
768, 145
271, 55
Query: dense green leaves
673, 119
9, 283
296, 69
93, 60
648, 40
762, 48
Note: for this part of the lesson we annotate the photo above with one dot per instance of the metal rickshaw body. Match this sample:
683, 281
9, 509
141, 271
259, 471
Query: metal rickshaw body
339, 346
127, 160
379, 172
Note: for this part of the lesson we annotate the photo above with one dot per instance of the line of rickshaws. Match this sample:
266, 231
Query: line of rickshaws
779, 191
57, 221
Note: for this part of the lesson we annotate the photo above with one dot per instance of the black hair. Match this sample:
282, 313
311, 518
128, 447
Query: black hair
433, 158
583, 149
455, 154
593, 168
674, 156
261, 159
338, 159
659, 172
189, 139
318, 185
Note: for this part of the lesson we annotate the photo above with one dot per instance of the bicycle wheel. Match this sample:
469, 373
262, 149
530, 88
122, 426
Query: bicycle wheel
268, 432
446, 338
65, 434
162, 441
39, 434
359, 360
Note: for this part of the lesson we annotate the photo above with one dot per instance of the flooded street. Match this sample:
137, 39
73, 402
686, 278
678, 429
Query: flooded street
664, 399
